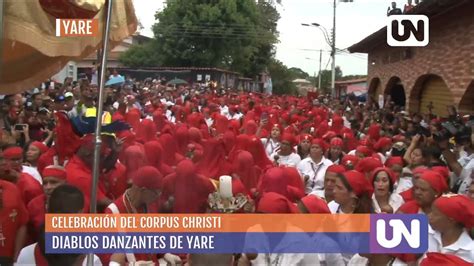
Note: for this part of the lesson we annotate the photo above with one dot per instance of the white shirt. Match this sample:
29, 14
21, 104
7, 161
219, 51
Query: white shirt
224, 110
465, 176
463, 247
291, 160
209, 122
236, 116
404, 184
270, 146
279, 259
169, 115
27, 257
395, 201
33, 171
358, 260
334, 207
315, 171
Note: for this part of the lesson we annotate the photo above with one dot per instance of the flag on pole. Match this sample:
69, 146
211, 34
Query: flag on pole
31, 51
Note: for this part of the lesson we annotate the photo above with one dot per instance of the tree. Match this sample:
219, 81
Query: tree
326, 79
234, 34
298, 73
267, 22
282, 78
349, 77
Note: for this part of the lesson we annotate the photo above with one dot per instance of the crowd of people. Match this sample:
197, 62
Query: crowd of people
407, 8
166, 149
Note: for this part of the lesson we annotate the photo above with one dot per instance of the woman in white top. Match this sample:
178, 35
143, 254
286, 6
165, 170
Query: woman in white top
286, 155
352, 194
271, 144
304, 146
384, 200
313, 168
33, 152
32, 255
450, 217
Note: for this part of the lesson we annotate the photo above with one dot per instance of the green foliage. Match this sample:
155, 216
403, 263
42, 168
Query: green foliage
298, 73
233, 34
326, 79
141, 56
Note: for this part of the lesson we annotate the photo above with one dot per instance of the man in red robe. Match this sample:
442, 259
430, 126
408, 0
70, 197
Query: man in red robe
53, 176
139, 198
13, 218
79, 168
28, 186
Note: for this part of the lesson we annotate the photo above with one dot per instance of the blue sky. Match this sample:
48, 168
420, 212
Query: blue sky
354, 22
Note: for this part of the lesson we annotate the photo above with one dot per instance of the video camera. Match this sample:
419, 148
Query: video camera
460, 132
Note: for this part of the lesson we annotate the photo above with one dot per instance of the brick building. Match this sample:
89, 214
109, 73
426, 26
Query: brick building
431, 77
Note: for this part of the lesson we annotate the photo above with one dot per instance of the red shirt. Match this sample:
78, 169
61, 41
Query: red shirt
13, 215
29, 188
79, 175
407, 195
36, 209
116, 181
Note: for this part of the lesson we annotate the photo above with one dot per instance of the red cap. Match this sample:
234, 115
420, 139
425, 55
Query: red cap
272, 202
389, 172
289, 138
348, 160
383, 142
374, 132
314, 204
419, 170
13, 153
40, 145
358, 183
147, 177
306, 137
394, 160
329, 135
319, 142
88, 142
364, 150
336, 142
436, 181
336, 168
442, 259
369, 164
54, 171
457, 207
442, 170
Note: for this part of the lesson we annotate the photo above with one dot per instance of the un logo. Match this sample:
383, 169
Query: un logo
408, 30
398, 233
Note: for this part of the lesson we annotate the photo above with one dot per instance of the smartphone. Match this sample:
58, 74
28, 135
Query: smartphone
19, 127
264, 116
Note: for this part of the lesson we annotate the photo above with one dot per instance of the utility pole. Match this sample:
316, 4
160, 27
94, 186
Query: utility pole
319, 75
333, 53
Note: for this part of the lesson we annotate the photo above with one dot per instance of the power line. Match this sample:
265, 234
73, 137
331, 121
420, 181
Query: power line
222, 35
224, 24
327, 63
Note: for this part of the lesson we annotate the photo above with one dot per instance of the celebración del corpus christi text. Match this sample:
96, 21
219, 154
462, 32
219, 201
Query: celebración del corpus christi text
111, 221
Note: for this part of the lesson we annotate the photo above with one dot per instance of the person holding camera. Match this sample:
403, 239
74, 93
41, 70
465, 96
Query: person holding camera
459, 158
